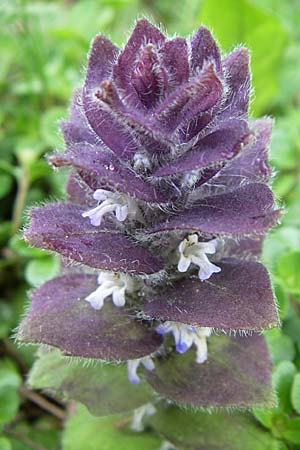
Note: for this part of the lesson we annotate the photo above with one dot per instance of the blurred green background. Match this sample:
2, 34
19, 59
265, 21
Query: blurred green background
43, 46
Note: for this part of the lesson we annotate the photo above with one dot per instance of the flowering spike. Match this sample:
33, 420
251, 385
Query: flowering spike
169, 181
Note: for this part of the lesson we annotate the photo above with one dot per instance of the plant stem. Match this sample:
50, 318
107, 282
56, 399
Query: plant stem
23, 186
43, 403
22, 438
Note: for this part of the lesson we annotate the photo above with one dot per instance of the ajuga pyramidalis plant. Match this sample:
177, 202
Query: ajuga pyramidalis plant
160, 237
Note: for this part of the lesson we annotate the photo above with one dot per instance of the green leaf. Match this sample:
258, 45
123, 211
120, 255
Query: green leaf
40, 270
264, 416
28, 150
84, 431
282, 379
285, 141
18, 245
103, 388
5, 443
292, 431
280, 346
217, 431
243, 22
5, 184
7, 318
280, 241
295, 394
288, 270
9, 405
9, 376
282, 301
50, 127
291, 327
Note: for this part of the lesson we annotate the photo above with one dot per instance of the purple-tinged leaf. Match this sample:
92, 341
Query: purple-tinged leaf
104, 121
243, 248
239, 297
103, 388
61, 228
200, 124
252, 163
246, 210
204, 49
76, 129
236, 67
101, 169
174, 54
60, 317
193, 98
207, 174
237, 373
144, 33
224, 143
101, 58
103, 54
78, 191
105, 104
149, 78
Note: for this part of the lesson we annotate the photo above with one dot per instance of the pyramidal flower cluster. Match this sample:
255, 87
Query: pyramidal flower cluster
168, 204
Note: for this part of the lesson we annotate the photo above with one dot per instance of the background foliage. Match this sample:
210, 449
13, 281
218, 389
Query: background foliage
43, 46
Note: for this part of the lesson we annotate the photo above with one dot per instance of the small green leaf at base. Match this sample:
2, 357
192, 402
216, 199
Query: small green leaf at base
295, 394
84, 431
103, 388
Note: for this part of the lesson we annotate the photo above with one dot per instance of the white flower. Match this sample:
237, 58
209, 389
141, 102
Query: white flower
138, 415
111, 284
133, 364
187, 335
122, 205
192, 251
